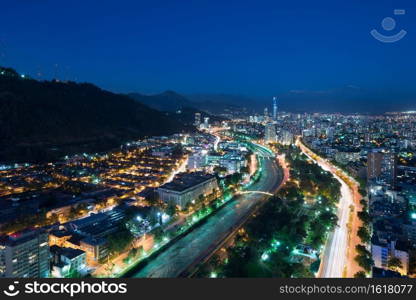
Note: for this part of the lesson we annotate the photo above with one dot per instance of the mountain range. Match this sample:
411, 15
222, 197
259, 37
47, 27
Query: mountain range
44, 120
179, 107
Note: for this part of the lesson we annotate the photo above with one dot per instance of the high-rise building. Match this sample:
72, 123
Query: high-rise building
389, 168
266, 113
206, 122
197, 119
270, 133
330, 132
374, 160
382, 166
25, 255
286, 138
196, 161
274, 108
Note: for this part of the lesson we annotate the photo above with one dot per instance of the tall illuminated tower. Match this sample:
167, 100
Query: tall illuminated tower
274, 108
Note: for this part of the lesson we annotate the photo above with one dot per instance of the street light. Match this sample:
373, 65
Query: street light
264, 257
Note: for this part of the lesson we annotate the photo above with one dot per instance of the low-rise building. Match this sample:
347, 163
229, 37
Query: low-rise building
383, 250
66, 262
186, 187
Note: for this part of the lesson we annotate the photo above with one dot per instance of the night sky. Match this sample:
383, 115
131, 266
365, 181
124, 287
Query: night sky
251, 48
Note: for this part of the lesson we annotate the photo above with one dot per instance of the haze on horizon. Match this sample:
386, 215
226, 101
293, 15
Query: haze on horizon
313, 56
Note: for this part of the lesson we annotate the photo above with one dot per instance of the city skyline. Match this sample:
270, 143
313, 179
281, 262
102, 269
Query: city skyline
302, 56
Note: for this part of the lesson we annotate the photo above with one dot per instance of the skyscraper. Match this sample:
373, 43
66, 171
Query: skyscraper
374, 160
274, 108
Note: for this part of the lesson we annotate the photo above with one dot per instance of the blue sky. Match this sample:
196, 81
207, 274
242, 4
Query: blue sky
254, 48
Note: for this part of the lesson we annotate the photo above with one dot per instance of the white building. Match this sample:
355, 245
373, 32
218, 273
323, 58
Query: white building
233, 162
68, 260
382, 251
187, 187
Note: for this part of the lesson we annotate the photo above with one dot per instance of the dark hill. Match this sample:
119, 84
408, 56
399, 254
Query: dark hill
176, 106
42, 121
167, 101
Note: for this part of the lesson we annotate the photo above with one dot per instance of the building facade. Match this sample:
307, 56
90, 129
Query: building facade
25, 255
186, 187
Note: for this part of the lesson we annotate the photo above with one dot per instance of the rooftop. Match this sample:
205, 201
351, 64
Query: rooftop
185, 181
67, 252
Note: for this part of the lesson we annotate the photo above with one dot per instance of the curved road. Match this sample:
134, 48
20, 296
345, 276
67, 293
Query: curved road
196, 245
334, 258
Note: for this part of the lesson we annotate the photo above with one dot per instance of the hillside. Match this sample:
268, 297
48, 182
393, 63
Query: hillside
42, 121
168, 101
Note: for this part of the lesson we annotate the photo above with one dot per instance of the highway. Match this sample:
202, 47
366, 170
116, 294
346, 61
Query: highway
202, 241
335, 255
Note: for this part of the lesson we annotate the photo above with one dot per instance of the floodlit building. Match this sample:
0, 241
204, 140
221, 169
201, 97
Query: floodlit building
186, 187
274, 108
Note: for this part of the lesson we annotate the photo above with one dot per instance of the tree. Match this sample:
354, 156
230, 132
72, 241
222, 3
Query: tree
220, 170
201, 198
360, 274
364, 203
119, 241
73, 273
158, 234
364, 262
152, 198
394, 263
364, 216
133, 252
364, 234
244, 170
362, 250
171, 209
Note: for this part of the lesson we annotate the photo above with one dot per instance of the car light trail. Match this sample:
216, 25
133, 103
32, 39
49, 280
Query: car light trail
334, 257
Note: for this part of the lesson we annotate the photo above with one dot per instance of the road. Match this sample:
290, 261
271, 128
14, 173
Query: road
336, 258
199, 243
